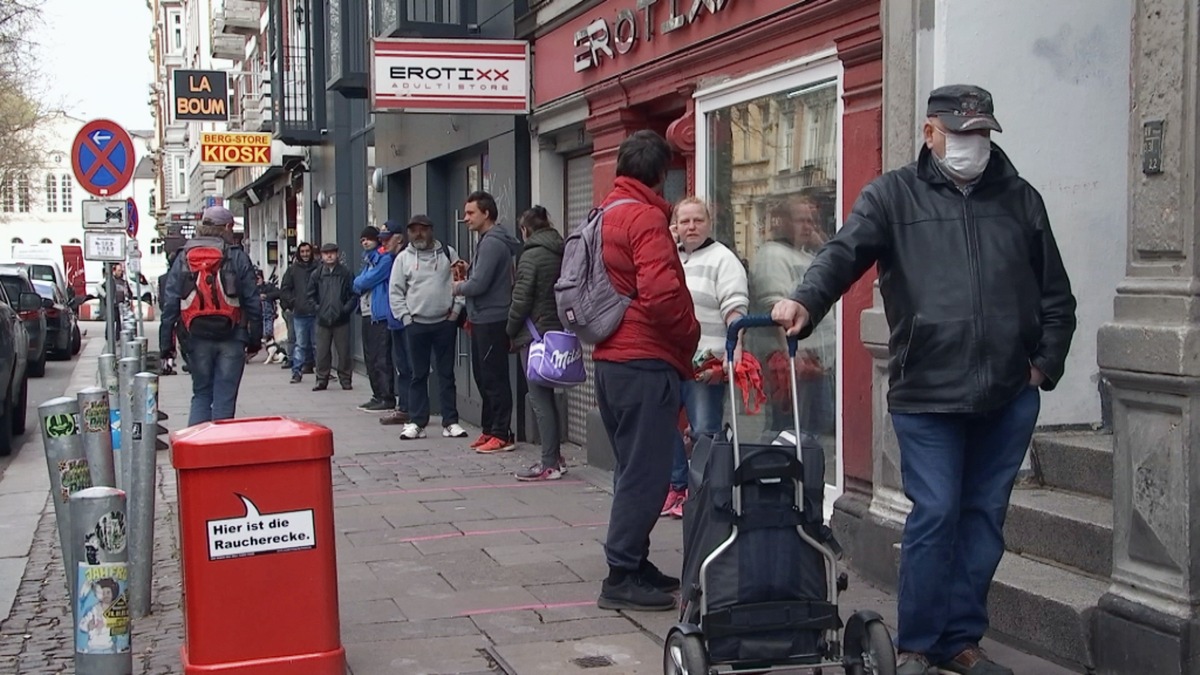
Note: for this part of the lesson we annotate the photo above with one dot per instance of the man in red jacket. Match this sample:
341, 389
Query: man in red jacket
638, 370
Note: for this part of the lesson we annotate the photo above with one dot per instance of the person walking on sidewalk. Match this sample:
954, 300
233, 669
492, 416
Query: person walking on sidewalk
293, 297
420, 294
394, 240
371, 285
331, 291
973, 339
488, 290
212, 297
639, 368
533, 301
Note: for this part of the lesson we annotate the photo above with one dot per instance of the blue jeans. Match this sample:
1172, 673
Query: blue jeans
705, 406
958, 471
304, 341
216, 374
402, 366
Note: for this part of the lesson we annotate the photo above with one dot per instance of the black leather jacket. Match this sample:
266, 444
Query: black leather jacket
973, 285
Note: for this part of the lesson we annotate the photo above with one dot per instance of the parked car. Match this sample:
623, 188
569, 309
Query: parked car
14, 362
43, 270
63, 339
15, 281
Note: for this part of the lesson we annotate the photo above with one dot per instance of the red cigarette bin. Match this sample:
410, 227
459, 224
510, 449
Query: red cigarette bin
256, 536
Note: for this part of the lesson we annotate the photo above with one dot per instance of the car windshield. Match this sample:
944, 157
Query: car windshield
44, 289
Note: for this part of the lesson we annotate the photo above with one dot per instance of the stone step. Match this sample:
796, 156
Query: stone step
1063, 527
1079, 462
1045, 609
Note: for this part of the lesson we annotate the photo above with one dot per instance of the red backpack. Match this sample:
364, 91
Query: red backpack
209, 306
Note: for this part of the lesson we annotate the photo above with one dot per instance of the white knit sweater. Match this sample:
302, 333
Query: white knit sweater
717, 282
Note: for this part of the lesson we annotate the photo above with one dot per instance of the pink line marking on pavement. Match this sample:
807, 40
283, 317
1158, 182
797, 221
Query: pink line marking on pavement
518, 608
511, 530
413, 491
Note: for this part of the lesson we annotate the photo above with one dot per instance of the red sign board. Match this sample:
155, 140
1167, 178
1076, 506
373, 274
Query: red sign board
454, 76
102, 158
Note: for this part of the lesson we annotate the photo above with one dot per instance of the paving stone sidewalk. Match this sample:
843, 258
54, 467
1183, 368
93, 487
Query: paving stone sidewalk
446, 564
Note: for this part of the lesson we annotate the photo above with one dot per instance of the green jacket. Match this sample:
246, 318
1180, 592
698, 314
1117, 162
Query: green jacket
533, 291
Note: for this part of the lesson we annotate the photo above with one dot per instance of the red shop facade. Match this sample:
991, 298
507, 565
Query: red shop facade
775, 110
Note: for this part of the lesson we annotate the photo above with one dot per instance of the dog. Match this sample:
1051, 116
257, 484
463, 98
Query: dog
273, 346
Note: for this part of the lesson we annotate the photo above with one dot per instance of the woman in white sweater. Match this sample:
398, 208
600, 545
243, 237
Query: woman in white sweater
717, 282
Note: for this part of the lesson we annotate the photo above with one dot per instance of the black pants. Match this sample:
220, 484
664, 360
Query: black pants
377, 355
639, 403
436, 340
489, 364
333, 342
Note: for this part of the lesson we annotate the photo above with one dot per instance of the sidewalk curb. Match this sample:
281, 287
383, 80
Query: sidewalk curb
25, 488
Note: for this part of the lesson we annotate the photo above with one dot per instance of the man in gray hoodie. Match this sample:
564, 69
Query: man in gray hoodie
419, 291
488, 289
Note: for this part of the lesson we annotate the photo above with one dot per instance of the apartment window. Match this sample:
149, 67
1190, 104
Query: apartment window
46, 240
75, 240
23, 193
180, 176
18, 240
8, 197
67, 183
176, 32
51, 193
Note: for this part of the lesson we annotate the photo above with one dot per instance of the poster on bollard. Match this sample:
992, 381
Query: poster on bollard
103, 609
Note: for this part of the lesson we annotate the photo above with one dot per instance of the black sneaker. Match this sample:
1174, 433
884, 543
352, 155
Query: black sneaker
657, 579
295, 379
370, 405
321, 386
634, 593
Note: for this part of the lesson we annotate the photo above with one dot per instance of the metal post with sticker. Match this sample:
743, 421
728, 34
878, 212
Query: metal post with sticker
102, 628
126, 369
68, 467
95, 419
144, 420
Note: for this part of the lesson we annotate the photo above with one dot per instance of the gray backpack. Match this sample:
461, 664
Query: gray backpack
588, 305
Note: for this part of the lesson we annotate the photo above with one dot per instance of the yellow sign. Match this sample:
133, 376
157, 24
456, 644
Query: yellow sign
235, 148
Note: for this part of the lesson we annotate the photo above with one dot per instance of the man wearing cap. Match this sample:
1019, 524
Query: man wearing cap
371, 286
216, 364
420, 293
973, 339
331, 291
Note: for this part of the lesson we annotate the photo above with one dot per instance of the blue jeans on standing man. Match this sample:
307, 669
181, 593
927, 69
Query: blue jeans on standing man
705, 406
216, 374
304, 352
958, 470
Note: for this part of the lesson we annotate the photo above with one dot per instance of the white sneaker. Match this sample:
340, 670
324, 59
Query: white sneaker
454, 431
411, 432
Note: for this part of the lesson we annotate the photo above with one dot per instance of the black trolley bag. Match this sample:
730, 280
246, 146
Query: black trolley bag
760, 582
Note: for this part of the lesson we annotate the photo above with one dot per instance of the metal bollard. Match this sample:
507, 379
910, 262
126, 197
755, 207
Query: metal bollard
67, 465
96, 420
143, 348
102, 628
141, 501
126, 369
132, 349
109, 380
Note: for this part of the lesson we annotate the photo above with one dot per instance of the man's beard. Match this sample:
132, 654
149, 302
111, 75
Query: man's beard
422, 245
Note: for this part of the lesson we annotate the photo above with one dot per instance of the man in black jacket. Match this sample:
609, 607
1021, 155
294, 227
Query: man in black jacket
293, 297
981, 316
331, 291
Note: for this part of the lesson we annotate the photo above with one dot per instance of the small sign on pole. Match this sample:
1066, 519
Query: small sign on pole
104, 214
107, 246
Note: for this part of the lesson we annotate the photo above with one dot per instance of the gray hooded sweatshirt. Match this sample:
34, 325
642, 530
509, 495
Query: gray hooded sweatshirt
420, 289
489, 283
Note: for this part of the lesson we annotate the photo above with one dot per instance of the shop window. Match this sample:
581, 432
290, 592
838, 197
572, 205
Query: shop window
771, 179
67, 185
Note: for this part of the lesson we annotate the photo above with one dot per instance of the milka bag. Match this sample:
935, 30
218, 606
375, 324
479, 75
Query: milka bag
555, 359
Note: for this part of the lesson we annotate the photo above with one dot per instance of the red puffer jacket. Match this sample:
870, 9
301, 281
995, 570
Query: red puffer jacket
642, 262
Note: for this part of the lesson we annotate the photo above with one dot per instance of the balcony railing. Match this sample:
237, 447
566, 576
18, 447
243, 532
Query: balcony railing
297, 70
226, 46
425, 18
241, 17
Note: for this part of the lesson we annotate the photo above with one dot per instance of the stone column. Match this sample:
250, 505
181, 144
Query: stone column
1150, 353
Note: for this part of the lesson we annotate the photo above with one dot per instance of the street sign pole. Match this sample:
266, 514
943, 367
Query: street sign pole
110, 319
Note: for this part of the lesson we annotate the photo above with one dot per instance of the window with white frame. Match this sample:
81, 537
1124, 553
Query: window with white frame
8, 195
768, 167
67, 185
51, 193
180, 176
23, 196
176, 32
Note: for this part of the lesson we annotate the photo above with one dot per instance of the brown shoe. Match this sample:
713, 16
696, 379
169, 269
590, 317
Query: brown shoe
394, 417
973, 661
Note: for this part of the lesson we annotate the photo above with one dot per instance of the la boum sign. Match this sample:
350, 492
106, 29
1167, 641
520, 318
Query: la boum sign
201, 95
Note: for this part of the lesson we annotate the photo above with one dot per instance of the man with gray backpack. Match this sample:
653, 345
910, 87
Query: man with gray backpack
623, 289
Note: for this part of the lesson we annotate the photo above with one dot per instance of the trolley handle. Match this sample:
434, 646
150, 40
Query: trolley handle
754, 321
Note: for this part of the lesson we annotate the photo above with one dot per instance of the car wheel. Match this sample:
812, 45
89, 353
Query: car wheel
38, 368
76, 341
22, 409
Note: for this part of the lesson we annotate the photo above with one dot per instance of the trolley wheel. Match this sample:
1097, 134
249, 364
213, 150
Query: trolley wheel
878, 654
685, 655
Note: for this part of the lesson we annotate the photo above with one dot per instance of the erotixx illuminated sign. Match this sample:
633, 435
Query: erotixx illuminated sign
602, 38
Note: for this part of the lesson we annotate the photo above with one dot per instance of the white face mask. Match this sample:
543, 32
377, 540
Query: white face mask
967, 155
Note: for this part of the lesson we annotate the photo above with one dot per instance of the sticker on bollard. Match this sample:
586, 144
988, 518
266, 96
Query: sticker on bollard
256, 533
102, 628
103, 609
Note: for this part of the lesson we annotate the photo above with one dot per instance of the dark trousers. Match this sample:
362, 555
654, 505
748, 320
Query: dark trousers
639, 403
377, 355
334, 342
436, 340
402, 364
958, 471
545, 412
489, 365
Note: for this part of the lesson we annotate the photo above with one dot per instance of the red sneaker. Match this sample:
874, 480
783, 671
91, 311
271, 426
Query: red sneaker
483, 438
495, 445
673, 497
676, 510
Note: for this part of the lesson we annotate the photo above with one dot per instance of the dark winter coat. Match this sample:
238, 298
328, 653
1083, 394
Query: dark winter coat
331, 291
293, 291
533, 291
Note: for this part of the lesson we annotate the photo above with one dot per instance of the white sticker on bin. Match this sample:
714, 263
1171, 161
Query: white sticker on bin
256, 533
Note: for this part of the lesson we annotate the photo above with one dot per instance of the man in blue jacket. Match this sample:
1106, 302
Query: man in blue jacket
372, 286
394, 241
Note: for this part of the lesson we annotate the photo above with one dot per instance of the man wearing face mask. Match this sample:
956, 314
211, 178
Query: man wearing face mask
981, 316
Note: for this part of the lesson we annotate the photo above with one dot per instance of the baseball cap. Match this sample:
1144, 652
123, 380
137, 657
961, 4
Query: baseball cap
329, 248
389, 228
217, 215
963, 107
